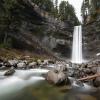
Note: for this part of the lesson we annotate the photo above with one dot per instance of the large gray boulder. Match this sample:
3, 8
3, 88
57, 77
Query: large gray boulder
97, 80
60, 68
56, 78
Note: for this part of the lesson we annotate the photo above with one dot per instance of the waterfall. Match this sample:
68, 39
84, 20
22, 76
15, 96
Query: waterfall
77, 45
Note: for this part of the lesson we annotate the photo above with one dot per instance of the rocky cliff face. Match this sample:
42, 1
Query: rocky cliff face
30, 29
91, 38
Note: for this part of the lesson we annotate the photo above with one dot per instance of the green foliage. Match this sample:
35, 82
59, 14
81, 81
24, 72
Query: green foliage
47, 5
93, 8
62, 10
14, 12
67, 12
6, 15
56, 9
6, 21
7, 44
7, 5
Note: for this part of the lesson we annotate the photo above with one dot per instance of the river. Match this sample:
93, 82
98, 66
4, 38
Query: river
30, 85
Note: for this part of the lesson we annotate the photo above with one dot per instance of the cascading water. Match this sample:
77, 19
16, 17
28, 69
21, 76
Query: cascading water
77, 45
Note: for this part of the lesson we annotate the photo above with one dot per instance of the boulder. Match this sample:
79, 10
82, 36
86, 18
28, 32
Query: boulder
45, 62
25, 61
13, 62
1, 60
21, 65
9, 72
51, 61
88, 71
3, 67
7, 64
55, 78
39, 62
94, 70
84, 65
60, 68
96, 81
32, 64
1, 64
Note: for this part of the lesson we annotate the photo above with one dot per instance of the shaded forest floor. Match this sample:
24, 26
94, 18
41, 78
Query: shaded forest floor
19, 54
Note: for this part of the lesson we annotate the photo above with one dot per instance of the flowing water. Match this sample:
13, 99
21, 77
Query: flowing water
30, 85
77, 45
9, 86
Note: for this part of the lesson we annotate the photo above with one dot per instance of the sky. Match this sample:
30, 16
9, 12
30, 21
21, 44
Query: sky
77, 5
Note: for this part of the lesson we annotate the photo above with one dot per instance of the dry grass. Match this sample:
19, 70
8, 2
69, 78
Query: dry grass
13, 53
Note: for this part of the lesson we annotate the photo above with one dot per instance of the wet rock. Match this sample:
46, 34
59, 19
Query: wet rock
84, 65
21, 65
1, 60
55, 78
90, 65
9, 72
70, 64
94, 70
51, 61
13, 62
25, 61
60, 68
96, 82
32, 65
88, 71
45, 61
1, 64
39, 62
70, 72
7, 64
52, 77
3, 67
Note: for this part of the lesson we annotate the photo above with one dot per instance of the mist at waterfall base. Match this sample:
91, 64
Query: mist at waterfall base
77, 45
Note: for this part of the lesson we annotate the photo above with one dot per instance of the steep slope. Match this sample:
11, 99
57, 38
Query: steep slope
91, 38
28, 26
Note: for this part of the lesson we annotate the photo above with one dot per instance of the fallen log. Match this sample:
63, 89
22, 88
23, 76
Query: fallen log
89, 77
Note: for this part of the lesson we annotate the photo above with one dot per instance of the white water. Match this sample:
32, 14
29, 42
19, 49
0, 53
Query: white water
77, 45
20, 80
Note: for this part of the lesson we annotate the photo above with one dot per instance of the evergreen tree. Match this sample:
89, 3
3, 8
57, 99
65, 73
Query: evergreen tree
62, 10
67, 13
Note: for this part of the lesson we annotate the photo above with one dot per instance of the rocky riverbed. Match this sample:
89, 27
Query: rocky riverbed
60, 72
17, 74
68, 73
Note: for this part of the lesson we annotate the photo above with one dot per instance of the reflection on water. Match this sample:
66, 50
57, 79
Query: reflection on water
30, 85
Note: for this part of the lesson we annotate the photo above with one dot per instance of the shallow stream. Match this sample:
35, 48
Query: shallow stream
30, 85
